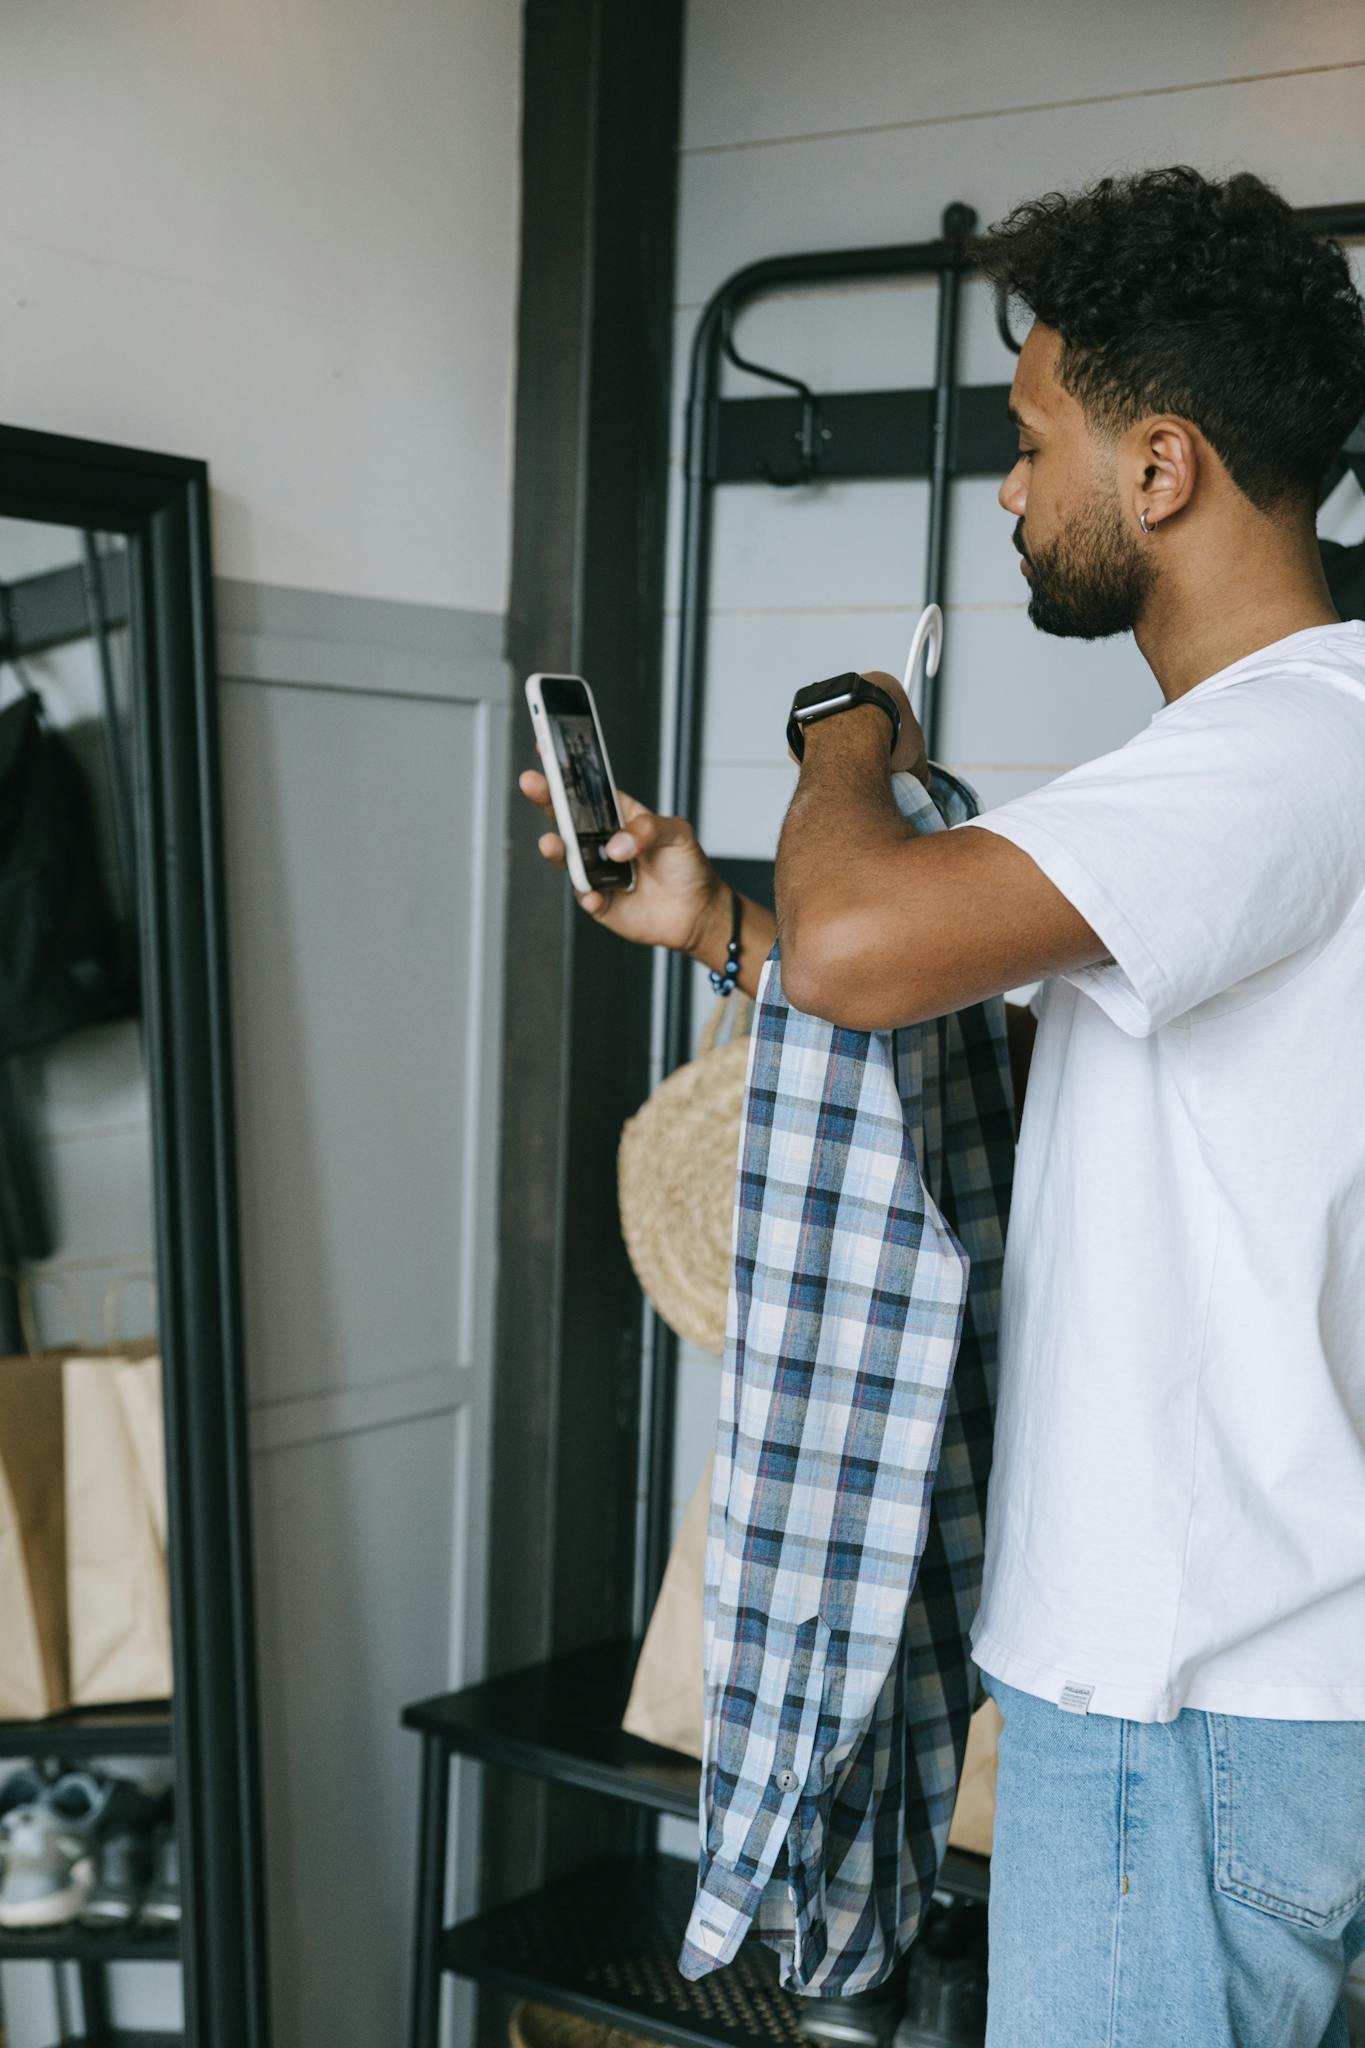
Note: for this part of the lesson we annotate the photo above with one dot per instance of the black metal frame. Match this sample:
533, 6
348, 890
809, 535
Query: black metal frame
939, 433
161, 504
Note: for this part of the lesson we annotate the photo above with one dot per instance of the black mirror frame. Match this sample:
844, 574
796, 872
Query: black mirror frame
161, 503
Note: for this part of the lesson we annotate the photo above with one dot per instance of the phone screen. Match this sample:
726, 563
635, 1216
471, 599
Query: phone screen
592, 800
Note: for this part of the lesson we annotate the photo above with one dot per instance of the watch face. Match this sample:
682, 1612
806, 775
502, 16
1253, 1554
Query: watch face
822, 709
834, 692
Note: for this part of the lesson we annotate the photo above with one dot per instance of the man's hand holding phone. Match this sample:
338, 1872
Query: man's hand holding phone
678, 900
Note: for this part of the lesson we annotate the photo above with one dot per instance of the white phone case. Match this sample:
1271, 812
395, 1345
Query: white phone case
549, 762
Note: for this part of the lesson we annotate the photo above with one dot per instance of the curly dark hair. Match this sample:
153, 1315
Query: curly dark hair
1173, 293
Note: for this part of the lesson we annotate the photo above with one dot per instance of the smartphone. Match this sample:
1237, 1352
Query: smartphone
573, 755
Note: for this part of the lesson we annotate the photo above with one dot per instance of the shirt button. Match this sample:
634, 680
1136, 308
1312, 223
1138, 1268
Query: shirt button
787, 1781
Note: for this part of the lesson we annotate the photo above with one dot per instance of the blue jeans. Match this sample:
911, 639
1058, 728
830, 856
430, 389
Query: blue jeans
1196, 1883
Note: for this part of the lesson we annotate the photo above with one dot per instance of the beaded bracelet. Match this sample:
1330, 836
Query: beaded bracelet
725, 982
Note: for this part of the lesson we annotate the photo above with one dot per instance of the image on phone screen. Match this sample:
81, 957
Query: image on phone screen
586, 778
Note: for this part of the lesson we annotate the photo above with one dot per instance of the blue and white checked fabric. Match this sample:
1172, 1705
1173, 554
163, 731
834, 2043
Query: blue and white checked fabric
843, 1560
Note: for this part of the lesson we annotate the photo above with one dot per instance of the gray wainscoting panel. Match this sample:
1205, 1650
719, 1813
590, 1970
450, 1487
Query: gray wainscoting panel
365, 757
350, 867
268, 633
354, 1614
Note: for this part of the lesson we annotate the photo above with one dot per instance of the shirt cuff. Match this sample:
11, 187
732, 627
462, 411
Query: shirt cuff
715, 1931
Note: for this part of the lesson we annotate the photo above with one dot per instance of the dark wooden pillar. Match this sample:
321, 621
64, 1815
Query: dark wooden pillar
594, 332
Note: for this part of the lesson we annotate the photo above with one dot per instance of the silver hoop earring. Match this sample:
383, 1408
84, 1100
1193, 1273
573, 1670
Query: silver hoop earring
1142, 522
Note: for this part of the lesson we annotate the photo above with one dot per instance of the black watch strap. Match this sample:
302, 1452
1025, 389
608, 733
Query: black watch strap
837, 693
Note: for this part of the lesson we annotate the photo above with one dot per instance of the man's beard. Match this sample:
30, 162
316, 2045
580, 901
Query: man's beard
1091, 582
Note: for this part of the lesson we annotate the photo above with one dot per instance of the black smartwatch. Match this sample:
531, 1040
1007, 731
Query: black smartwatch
836, 693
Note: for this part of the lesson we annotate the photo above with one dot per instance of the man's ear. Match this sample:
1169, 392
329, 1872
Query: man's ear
1163, 469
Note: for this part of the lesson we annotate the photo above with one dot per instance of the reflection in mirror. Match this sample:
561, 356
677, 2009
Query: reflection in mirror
86, 1839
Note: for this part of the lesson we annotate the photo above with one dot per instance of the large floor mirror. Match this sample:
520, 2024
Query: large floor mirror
130, 1892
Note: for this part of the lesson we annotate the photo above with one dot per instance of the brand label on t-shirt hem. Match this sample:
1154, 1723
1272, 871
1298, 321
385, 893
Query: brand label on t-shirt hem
1075, 1698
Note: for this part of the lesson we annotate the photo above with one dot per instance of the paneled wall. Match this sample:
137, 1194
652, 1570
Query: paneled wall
364, 751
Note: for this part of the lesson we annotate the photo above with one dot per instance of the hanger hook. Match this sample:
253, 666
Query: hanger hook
928, 641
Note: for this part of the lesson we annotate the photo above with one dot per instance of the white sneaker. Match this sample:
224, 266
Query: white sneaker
49, 1853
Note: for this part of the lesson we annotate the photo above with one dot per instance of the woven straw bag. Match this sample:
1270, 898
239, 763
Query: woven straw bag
675, 1176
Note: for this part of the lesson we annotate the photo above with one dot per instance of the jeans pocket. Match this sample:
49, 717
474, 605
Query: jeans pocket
1289, 1815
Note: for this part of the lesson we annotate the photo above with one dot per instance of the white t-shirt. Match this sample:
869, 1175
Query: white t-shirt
1177, 1506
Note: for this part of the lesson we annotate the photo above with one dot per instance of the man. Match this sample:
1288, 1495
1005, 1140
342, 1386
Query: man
1173, 1613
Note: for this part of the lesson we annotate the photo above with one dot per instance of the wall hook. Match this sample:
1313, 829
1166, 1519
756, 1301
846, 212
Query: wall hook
813, 434
1002, 320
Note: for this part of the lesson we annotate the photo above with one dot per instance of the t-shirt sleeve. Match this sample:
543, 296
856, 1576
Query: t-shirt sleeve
1224, 839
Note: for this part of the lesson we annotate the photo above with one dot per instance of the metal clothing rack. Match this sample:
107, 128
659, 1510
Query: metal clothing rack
943, 432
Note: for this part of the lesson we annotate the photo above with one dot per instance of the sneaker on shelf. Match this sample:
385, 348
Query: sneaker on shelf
24, 1787
48, 1848
161, 1907
123, 1866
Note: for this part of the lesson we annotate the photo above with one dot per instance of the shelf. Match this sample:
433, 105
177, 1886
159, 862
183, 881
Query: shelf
122, 2037
562, 1720
76, 1944
92, 1731
605, 1943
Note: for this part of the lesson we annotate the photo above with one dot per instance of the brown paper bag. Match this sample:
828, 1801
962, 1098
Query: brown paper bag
973, 1822
33, 1652
117, 1590
665, 1704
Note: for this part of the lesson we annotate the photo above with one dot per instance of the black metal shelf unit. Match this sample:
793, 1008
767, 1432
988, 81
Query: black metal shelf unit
91, 1732
124, 2037
605, 1941
610, 1935
87, 1945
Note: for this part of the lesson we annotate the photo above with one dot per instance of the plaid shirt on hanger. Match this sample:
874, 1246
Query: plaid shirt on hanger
843, 1562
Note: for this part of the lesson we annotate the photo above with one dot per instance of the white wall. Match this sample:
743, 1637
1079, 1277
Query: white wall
282, 235
807, 126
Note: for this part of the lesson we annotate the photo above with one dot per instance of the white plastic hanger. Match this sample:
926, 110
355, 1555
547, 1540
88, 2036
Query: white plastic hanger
928, 641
